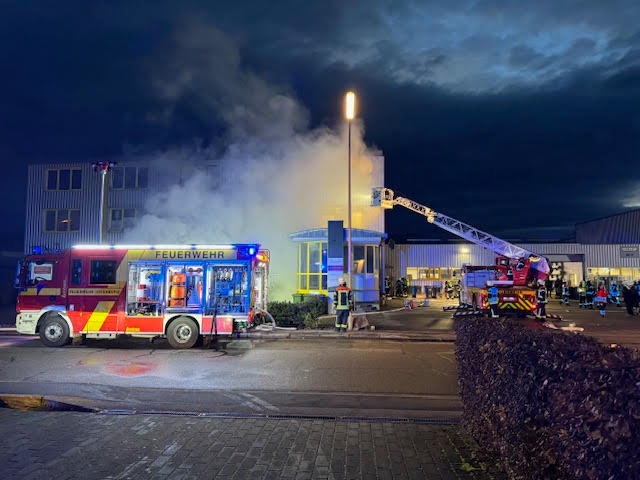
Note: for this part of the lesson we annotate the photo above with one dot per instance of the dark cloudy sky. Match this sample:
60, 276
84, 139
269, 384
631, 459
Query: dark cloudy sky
520, 118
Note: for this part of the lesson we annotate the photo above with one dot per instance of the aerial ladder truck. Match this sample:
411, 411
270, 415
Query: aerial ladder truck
516, 272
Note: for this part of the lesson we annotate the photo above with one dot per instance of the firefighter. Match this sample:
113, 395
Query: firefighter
582, 294
590, 292
343, 304
601, 299
614, 294
448, 289
565, 293
492, 297
541, 297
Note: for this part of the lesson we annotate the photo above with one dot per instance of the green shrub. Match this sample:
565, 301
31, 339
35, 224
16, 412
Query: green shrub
299, 315
549, 404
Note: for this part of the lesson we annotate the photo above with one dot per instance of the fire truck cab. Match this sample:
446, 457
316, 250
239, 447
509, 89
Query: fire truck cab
181, 292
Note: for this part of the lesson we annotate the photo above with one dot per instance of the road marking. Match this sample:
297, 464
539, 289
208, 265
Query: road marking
250, 401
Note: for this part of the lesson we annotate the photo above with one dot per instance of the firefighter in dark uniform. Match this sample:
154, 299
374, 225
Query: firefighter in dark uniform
343, 304
492, 298
541, 297
565, 293
590, 293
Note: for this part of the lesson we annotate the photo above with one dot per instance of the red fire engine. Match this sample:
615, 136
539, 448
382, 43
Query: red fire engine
515, 273
181, 292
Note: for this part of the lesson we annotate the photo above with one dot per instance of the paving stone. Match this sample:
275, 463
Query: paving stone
92, 446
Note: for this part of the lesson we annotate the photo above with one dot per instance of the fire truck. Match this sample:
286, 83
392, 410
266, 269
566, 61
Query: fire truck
516, 271
183, 293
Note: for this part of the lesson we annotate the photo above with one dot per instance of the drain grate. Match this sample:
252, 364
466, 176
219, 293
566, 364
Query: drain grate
283, 416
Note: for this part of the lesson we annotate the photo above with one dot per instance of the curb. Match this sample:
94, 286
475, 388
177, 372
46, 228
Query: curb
424, 336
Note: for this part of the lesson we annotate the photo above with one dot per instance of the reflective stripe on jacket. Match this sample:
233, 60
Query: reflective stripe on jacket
342, 298
541, 295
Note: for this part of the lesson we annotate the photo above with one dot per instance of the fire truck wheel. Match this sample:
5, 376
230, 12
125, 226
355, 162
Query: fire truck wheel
182, 333
54, 331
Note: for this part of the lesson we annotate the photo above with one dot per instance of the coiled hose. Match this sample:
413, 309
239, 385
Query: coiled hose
273, 326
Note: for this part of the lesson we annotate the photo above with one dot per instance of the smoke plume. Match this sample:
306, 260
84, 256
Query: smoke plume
268, 176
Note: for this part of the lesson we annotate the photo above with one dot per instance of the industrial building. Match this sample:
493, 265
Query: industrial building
429, 265
63, 209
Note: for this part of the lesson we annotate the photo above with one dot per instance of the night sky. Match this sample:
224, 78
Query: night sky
521, 119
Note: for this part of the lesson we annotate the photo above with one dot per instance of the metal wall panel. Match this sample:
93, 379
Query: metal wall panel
455, 255
87, 200
39, 199
621, 229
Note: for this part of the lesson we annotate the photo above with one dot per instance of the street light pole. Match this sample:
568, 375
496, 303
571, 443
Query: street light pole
350, 110
103, 168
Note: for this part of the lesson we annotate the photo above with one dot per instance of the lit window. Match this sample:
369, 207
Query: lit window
312, 272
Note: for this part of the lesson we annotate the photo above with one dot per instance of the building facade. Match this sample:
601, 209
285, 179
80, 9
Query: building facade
607, 250
63, 200
63, 209
314, 278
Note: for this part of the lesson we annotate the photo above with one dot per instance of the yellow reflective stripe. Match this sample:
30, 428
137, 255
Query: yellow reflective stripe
43, 291
98, 316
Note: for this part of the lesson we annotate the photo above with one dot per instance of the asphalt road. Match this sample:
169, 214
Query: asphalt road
338, 377
378, 372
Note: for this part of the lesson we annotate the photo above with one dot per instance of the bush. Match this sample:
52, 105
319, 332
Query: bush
299, 315
549, 404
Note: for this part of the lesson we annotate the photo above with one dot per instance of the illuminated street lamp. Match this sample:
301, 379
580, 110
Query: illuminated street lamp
350, 113
103, 168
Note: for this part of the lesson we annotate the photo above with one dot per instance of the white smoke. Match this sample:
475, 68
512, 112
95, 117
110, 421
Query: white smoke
274, 176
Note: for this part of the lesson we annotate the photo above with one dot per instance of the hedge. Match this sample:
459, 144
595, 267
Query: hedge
299, 315
548, 404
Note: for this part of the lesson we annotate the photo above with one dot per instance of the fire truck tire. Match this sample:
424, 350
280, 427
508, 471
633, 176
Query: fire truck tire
182, 333
54, 331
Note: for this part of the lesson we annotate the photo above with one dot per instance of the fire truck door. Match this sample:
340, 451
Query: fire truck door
103, 297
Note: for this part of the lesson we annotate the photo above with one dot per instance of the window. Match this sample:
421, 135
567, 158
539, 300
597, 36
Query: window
312, 275
129, 177
370, 259
103, 271
61, 220
364, 258
121, 219
39, 271
64, 179
76, 272
427, 273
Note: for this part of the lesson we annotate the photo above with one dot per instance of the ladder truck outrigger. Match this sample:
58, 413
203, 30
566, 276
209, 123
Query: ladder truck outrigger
516, 273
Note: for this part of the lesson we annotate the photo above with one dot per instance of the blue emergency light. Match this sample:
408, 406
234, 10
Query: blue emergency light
246, 252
